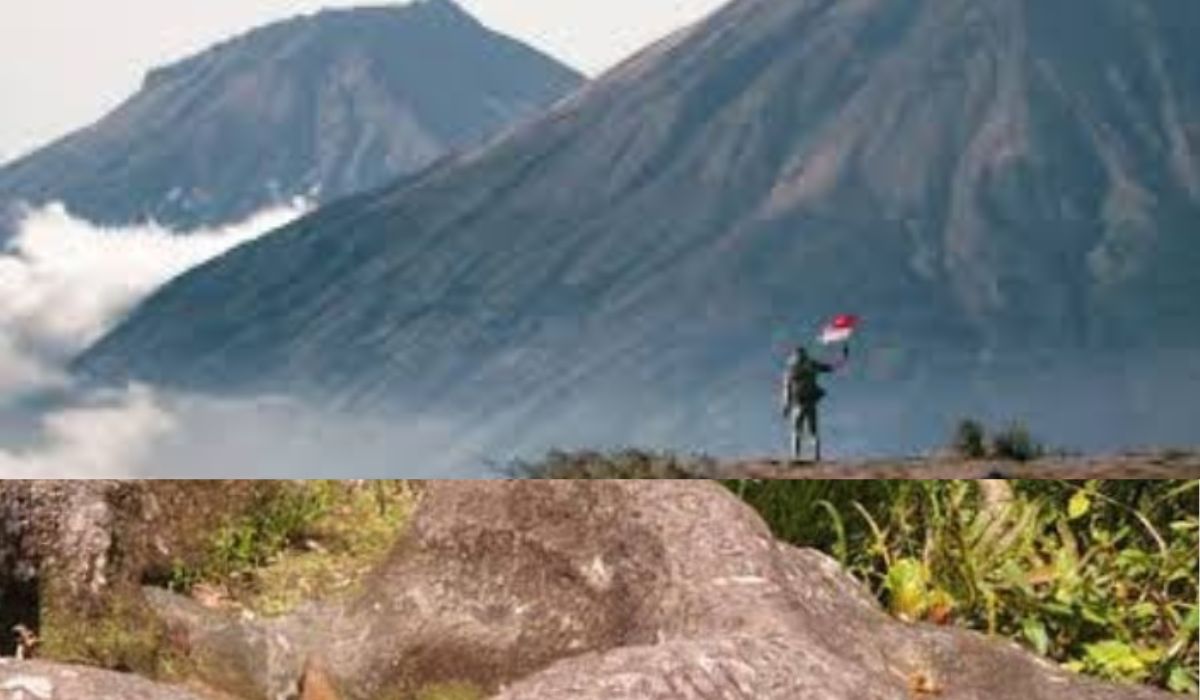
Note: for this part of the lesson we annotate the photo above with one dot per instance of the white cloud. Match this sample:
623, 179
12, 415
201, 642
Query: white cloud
142, 432
23, 371
109, 436
64, 282
289, 438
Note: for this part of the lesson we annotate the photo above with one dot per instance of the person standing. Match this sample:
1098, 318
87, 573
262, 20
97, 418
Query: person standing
802, 394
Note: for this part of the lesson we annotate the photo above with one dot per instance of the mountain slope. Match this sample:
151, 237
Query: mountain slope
328, 105
998, 189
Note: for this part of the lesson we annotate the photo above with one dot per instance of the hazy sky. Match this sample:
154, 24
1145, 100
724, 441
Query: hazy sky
63, 63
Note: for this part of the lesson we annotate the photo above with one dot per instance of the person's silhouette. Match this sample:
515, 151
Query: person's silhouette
802, 394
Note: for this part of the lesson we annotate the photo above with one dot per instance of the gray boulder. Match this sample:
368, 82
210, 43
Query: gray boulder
609, 590
75, 553
68, 524
34, 680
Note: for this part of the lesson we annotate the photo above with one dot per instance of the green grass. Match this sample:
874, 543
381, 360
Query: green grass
124, 636
451, 691
1099, 576
1014, 442
311, 541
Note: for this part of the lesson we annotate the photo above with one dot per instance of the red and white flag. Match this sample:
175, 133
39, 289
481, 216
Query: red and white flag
839, 330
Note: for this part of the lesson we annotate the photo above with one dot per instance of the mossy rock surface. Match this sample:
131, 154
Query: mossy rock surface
76, 553
76, 556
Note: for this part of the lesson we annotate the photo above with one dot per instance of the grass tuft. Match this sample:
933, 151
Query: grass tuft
1099, 576
312, 541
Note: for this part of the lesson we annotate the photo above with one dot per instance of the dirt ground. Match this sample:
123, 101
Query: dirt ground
1168, 465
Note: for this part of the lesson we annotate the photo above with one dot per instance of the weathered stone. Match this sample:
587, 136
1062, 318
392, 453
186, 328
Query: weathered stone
72, 552
610, 590
243, 656
36, 680
67, 523
800, 668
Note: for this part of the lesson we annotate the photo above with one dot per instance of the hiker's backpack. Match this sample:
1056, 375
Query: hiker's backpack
802, 382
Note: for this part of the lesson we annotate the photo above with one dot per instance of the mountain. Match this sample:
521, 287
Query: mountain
323, 105
1006, 191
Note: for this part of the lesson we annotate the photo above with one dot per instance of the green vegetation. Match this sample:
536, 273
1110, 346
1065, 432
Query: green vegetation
1016, 443
310, 541
970, 440
115, 628
1013, 443
126, 636
1099, 576
451, 691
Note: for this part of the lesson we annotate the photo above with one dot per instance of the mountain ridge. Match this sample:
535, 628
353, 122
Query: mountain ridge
317, 106
966, 176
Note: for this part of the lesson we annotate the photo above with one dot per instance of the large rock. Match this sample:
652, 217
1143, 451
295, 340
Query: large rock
243, 656
32, 680
609, 590
73, 552
63, 524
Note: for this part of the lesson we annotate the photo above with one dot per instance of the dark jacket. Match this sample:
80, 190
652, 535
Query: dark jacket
800, 383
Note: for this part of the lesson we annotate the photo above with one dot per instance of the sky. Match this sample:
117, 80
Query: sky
64, 63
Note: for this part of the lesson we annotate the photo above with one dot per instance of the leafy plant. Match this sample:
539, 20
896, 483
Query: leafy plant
1016, 443
306, 541
1099, 576
970, 440
907, 586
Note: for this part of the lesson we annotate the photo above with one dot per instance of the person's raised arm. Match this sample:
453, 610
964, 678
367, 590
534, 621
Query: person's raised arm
837, 364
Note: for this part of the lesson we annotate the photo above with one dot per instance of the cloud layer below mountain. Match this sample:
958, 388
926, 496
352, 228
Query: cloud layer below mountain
102, 436
142, 432
63, 283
